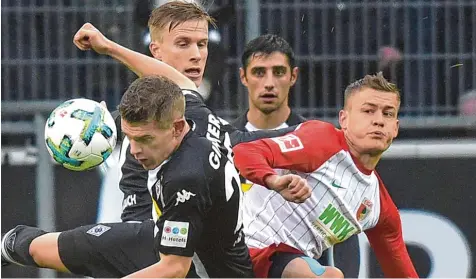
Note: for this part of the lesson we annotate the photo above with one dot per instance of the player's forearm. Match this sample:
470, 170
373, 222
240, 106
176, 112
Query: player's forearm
387, 242
252, 163
143, 65
397, 264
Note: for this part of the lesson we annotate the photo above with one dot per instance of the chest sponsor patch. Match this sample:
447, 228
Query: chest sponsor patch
175, 234
333, 225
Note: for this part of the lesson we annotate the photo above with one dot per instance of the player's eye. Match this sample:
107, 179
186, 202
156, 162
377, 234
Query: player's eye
279, 72
259, 72
144, 140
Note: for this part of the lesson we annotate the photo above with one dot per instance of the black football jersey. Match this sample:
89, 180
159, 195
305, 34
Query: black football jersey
197, 196
137, 202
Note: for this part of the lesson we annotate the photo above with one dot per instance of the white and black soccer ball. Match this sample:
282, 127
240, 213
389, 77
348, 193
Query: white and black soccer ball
80, 134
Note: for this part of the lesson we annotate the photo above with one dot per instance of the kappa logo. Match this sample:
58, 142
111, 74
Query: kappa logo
98, 230
183, 197
288, 143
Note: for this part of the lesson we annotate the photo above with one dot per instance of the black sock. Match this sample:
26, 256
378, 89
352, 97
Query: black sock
16, 245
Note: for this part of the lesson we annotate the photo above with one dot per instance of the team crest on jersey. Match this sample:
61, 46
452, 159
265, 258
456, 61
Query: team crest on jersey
288, 143
98, 230
364, 209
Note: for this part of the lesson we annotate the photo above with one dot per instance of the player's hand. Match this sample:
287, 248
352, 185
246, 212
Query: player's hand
88, 37
292, 187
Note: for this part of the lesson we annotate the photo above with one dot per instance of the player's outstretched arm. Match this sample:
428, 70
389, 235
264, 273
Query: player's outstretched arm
386, 239
89, 37
238, 136
169, 266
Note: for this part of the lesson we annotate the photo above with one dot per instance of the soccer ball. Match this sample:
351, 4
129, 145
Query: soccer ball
80, 134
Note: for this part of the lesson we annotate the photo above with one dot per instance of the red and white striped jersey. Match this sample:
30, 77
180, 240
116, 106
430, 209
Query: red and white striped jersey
346, 198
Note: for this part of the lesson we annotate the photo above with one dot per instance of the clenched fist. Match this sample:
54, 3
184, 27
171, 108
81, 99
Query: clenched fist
292, 187
89, 37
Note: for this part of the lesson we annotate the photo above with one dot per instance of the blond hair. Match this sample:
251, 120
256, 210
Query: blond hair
377, 82
174, 13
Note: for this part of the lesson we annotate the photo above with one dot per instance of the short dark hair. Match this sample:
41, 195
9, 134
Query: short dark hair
152, 98
265, 45
174, 13
377, 82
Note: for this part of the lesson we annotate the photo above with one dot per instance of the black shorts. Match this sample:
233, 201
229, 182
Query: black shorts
279, 261
109, 249
347, 257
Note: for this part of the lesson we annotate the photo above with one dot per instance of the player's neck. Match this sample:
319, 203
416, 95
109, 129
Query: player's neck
366, 160
271, 120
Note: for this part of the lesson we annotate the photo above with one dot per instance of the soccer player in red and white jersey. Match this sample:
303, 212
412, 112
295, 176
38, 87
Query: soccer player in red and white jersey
348, 196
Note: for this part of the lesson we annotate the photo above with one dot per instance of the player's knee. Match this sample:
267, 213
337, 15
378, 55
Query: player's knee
44, 249
306, 267
333, 272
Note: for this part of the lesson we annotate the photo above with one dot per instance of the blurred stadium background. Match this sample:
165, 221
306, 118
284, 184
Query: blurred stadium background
428, 47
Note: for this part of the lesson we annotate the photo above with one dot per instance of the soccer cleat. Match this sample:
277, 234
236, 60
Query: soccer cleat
8, 242
4, 261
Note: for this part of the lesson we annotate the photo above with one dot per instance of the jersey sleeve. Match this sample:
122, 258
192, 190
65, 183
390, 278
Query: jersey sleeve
186, 201
386, 240
117, 120
305, 149
238, 136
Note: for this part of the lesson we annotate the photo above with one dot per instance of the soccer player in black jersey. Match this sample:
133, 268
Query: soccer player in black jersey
113, 250
193, 183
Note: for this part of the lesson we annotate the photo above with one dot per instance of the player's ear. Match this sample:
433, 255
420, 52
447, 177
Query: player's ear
343, 119
155, 50
243, 77
397, 127
294, 75
179, 126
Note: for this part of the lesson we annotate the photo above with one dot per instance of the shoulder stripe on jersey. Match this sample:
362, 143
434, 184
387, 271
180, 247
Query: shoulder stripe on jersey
122, 154
189, 92
199, 267
156, 208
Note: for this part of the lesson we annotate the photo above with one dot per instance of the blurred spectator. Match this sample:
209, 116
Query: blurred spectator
387, 56
467, 103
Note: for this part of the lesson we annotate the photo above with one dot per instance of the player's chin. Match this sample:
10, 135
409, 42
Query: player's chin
149, 166
268, 108
197, 79
376, 147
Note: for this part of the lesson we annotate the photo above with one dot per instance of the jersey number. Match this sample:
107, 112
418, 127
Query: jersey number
232, 181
